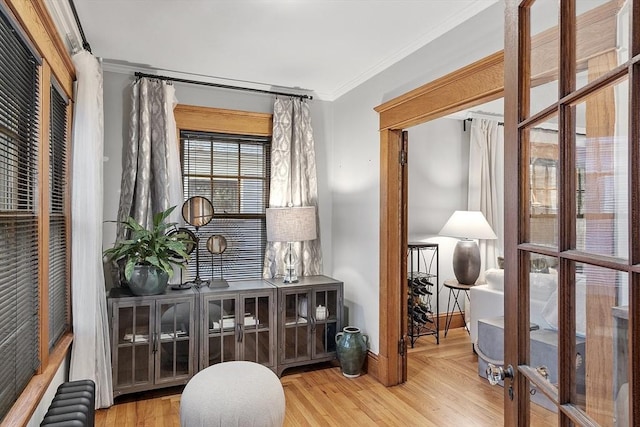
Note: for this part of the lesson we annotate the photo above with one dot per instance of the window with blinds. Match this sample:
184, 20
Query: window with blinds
57, 218
233, 172
19, 358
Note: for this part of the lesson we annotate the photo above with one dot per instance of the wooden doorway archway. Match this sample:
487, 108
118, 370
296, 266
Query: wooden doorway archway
470, 86
475, 84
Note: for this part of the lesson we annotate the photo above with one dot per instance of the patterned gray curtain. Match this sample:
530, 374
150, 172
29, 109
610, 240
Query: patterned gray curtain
293, 181
150, 157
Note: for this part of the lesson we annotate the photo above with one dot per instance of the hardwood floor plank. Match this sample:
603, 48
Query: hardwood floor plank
443, 389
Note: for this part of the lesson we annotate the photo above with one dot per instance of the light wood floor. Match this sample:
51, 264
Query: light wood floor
443, 389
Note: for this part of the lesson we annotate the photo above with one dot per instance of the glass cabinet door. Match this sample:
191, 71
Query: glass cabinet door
296, 311
326, 321
174, 352
219, 317
133, 338
256, 340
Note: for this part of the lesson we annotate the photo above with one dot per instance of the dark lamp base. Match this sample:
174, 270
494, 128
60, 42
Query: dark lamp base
466, 262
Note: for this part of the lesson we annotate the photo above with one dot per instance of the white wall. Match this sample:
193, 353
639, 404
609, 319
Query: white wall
438, 185
117, 106
347, 149
355, 160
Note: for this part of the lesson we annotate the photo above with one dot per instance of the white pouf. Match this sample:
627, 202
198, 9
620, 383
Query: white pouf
233, 394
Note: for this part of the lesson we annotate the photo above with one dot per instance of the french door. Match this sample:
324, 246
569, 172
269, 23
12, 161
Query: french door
572, 162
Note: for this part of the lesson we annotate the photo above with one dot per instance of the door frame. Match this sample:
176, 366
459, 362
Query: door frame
475, 84
467, 87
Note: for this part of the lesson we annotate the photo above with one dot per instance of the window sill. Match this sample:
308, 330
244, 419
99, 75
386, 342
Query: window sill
22, 411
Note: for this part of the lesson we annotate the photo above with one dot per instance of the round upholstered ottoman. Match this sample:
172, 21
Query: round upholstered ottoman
233, 394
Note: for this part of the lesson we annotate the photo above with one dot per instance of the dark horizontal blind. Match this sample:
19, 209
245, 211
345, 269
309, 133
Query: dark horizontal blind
57, 219
19, 357
233, 173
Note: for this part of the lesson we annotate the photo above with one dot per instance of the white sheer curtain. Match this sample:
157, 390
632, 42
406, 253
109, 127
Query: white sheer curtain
293, 181
90, 353
151, 174
486, 184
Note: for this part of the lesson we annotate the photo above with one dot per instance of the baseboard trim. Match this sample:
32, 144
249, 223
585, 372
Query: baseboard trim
372, 362
457, 321
371, 365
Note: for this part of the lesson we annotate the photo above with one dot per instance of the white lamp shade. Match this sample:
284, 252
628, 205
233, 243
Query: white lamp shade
468, 225
294, 224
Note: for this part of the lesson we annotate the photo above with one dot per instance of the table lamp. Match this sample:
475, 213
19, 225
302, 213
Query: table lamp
291, 224
467, 226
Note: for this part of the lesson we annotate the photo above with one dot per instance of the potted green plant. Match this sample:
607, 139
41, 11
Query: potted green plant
148, 256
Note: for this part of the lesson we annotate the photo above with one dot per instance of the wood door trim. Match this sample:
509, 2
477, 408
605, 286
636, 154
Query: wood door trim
477, 83
446, 95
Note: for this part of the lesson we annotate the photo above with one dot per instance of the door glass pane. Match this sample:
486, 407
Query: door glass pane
320, 340
297, 323
544, 54
134, 324
264, 347
256, 313
602, 171
175, 323
167, 358
601, 325
229, 347
263, 313
182, 356
222, 313
543, 336
214, 351
134, 351
125, 366
175, 319
621, 362
602, 38
543, 179
249, 344
142, 363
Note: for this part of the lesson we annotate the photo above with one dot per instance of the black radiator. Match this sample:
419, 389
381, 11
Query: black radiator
73, 405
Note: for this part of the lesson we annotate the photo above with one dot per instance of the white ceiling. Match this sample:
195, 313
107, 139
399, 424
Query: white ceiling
327, 47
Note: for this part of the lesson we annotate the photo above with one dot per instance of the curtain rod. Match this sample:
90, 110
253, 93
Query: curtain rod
223, 86
470, 119
85, 44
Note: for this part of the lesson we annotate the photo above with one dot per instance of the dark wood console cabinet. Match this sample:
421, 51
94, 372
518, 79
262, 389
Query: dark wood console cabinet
163, 340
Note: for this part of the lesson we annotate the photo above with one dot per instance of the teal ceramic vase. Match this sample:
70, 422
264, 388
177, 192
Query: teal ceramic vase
148, 280
351, 346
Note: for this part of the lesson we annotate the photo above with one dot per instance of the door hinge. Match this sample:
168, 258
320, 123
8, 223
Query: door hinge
402, 158
401, 347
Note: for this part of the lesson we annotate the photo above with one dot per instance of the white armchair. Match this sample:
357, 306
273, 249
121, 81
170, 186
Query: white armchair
487, 301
